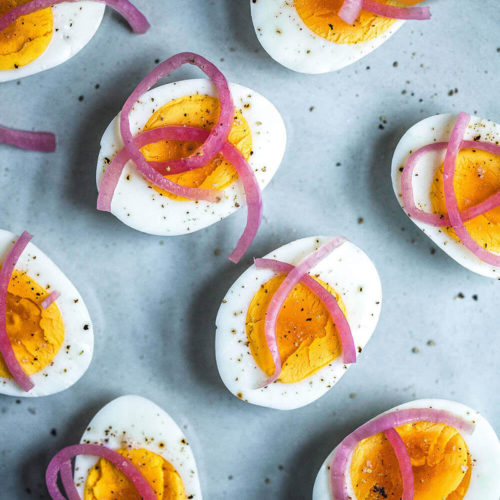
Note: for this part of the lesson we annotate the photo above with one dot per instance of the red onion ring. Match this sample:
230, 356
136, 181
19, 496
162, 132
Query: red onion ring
62, 463
8, 266
136, 20
338, 467
441, 220
392, 12
44, 142
328, 300
216, 138
279, 297
450, 198
51, 298
404, 461
251, 187
350, 10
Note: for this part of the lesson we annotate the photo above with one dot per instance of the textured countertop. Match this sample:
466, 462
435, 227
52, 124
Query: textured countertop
153, 300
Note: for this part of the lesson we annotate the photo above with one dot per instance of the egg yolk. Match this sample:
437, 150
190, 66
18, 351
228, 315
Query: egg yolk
439, 457
199, 111
306, 335
25, 39
477, 177
320, 16
36, 334
106, 482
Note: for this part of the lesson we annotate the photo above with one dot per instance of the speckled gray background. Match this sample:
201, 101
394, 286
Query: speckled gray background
154, 300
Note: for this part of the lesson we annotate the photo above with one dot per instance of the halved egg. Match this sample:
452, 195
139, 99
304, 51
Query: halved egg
46, 38
147, 436
446, 463
309, 37
54, 345
308, 340
477, 177
258, 132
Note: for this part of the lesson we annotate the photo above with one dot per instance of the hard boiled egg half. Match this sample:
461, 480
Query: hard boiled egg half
258, 132
45, 38
147, 436
54, 345
446, 463
307, 338
477, 177
309, 37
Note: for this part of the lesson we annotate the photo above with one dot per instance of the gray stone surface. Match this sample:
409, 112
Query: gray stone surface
154, 300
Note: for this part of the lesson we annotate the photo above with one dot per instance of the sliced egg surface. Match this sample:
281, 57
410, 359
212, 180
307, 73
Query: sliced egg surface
477, 176
147, 436
447, 464
46, 38
308, 341
258, 132
54, 345
309, 37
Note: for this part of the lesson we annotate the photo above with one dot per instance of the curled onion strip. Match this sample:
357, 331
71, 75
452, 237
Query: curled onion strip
440, 220
404, 462
229, 152
61, 462
33, 141
328, 300
279, 297
8, 266
350, 10
450, 197
133, 16
215, 139
414, 13
52, 297
338, 467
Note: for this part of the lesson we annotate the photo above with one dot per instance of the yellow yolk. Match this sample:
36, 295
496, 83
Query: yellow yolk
36, 334
199, 111
320, 16
477, 177
106, 482
27, 38
439, 456
306, 335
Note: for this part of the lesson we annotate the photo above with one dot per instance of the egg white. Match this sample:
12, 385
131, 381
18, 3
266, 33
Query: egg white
483, 446
138, 422
288, 40
142, 208
348, 270
75, 354
74, 26
438, 129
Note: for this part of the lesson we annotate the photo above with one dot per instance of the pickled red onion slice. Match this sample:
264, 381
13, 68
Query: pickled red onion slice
33, 141
279, 297
450, 198
404, 462
135, 18
440, 220
215, 139
61, 462
250, 185
52, 297
8, 266
338, 467
328, 300
414, 13
350, 10
113, 171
